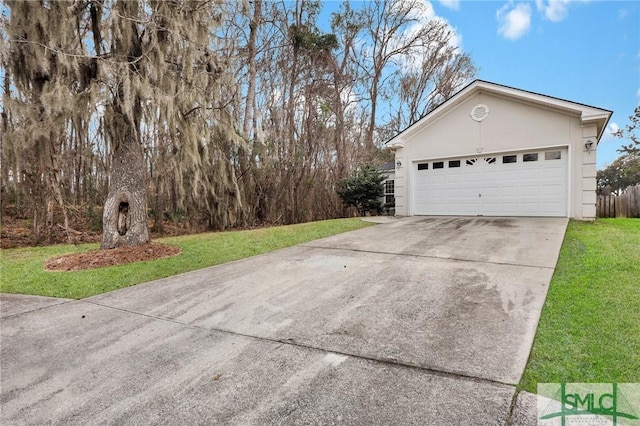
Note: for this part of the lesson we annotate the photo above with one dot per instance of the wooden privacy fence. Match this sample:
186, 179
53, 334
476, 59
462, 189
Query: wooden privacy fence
625, 205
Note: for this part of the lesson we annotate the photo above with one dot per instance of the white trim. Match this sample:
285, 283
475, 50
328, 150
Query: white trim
570, 182
410, 190
395, 146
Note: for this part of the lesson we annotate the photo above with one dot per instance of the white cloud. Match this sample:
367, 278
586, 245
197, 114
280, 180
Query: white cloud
622, 13
555, 10
612, 128
514, 21
456, 38
451, 4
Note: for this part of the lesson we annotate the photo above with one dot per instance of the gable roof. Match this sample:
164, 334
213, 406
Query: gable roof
587, 113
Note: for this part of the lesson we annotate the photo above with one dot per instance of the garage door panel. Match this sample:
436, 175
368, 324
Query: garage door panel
529, 175
528, 189
457, 180
490, 174
491, 192
551, 180
437, 179
557, 186
470, 192
509, 175
472, 175
552, 206
459, 208
438, 195
510, 208
536, 188
552, 171
492, 209
530, 210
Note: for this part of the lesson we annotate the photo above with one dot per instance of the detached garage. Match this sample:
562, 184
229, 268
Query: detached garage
493, 150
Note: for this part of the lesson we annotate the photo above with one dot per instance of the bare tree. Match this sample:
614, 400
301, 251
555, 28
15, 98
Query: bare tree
437, 74
404, 47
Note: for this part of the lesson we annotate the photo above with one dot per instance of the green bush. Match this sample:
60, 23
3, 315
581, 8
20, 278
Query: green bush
362, 190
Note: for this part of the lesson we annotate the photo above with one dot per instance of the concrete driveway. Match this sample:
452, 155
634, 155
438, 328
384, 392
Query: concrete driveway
418, 321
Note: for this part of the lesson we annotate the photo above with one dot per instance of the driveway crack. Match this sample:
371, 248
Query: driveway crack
293, 342
427, 256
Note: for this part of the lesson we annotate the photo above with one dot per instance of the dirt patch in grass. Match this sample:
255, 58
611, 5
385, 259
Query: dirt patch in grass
118, 256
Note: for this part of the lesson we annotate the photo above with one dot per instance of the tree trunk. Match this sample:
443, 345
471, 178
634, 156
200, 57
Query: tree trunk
124, 220
125, 211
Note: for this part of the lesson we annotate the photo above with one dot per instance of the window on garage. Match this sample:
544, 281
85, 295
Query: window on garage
454, 163
423, 166
552, 155
506, 159
530, 157
438, 165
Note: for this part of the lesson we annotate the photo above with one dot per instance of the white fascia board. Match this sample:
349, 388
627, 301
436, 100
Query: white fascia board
395, 143
601, 120
541, 99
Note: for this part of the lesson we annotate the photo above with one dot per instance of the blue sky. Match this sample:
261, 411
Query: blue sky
582, 51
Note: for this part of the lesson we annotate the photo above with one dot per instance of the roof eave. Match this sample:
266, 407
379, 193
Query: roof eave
601, 121
394, 146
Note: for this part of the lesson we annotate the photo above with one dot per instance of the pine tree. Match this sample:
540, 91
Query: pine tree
363, 190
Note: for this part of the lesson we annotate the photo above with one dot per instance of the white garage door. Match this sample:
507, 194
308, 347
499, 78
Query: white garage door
513, 184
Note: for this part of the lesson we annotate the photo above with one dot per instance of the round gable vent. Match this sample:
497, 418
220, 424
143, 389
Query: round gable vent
479, 112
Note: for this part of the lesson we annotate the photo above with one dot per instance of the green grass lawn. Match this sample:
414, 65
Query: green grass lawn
21, 270
589, 331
